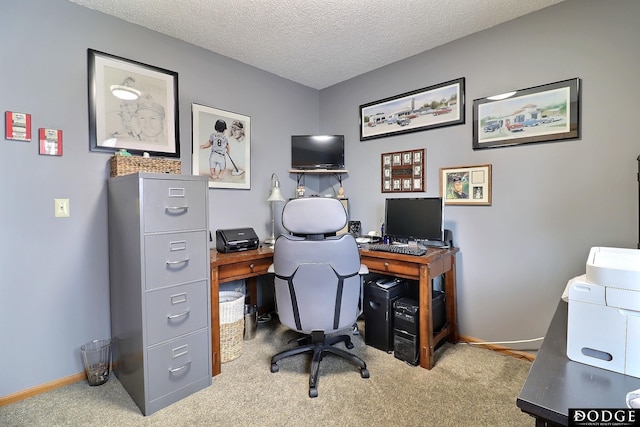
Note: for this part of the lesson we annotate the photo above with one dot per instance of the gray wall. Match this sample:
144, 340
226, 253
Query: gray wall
551, 202
54, 276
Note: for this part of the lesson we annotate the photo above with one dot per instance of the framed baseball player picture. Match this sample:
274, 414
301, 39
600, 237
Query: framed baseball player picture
221, 147
466, 185
132, 106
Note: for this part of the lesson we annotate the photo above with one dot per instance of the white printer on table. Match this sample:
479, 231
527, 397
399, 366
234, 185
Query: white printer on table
603, 327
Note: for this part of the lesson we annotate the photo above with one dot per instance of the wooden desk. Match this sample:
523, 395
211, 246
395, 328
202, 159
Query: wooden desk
555, 383
251, 264
423, 269
247, 265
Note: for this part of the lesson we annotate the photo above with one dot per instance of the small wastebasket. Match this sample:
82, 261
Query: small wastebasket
96, 355
250, 321
231, 325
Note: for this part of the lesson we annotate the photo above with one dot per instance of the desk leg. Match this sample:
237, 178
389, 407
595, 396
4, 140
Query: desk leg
451, 301
252, 289
427, 353
215, 323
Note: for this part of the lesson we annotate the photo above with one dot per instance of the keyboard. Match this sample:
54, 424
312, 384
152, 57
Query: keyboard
405, 250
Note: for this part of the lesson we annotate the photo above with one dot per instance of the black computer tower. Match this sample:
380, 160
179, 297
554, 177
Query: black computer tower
380, 292
406, 320
406, 347
405, 333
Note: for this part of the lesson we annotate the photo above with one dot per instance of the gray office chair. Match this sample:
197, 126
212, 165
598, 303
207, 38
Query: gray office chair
317, 282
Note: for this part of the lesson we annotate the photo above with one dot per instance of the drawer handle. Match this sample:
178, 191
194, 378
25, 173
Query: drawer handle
251, 266
175, 316
386, 265
174, 370
176, 209
183, 261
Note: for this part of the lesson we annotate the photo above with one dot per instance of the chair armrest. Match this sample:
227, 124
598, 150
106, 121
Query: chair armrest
271, 269
363, 270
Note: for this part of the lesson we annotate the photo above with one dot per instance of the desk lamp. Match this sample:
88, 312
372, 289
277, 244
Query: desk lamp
274, 196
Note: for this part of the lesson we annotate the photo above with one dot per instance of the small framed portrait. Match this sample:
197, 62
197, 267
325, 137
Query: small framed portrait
417, 157
466, 185
406, 158
397, 159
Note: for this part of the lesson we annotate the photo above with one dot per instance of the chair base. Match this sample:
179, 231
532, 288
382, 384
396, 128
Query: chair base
320, 345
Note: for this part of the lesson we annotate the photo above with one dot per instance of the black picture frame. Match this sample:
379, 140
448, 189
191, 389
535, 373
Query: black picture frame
545, 113
147, 124
423, 109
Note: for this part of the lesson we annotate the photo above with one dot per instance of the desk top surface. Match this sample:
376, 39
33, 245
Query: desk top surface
218, 258
556, 383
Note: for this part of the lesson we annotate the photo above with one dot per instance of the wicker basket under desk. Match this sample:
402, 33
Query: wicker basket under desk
125, 165
231, 314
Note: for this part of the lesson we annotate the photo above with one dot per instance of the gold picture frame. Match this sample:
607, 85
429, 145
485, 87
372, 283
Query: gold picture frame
466, 185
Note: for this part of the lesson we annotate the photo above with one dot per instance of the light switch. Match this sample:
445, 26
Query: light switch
61, 208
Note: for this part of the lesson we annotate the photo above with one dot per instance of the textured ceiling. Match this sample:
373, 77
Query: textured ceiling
317, 43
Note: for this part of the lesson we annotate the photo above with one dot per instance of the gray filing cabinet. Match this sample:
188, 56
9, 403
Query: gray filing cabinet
160, 286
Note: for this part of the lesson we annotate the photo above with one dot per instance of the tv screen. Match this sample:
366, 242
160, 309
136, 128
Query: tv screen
418, 219
317, 151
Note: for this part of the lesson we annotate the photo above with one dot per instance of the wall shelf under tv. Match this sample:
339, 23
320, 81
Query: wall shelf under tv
318, 171
300, 173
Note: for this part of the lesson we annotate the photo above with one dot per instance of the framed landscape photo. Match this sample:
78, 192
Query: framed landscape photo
466, 185
544, 113
221, 147
132, 106
427, 108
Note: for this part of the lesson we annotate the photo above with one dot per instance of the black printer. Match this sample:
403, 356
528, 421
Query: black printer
236, 240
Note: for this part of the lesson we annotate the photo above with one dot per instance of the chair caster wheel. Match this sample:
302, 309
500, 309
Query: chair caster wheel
364, 373
313, 392
274, 368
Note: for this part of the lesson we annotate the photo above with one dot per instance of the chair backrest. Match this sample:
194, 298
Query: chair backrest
317, 285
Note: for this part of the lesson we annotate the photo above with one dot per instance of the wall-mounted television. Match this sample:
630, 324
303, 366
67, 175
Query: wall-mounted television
420, 219
317, 152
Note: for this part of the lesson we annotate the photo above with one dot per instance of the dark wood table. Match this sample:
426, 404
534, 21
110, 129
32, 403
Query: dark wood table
249, 265
556, 383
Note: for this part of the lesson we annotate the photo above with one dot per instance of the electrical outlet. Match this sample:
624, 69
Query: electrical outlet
61, 208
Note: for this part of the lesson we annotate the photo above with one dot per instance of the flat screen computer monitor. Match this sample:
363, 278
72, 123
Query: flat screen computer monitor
408, 219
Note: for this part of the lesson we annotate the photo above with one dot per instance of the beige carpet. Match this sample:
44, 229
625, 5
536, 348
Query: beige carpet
467, 387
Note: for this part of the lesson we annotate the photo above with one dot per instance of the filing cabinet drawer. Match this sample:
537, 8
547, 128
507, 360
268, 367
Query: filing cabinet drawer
175, 258
175, 311
177, 363
245, 269
171, 205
